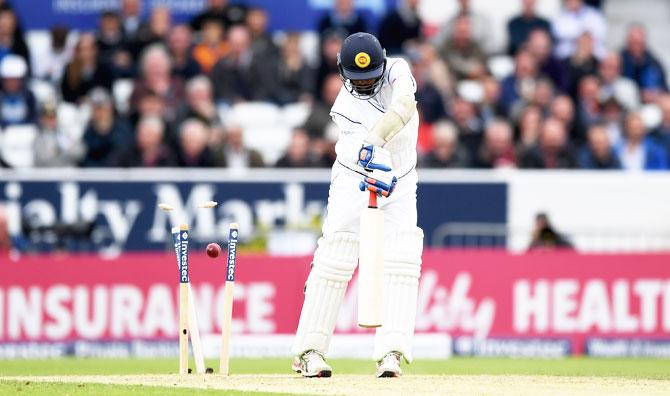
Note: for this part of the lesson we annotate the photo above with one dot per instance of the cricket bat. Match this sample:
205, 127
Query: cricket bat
183, 299
224, 356
371, 265
194, 333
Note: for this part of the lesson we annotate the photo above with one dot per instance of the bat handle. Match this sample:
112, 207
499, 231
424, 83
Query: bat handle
372, 200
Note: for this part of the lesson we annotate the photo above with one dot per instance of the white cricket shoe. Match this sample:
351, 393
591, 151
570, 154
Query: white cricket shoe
389, 366
312, 364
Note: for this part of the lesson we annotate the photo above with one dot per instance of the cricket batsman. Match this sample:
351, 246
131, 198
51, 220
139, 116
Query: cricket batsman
376, 151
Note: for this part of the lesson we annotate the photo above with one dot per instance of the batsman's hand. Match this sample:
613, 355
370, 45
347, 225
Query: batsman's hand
377, 163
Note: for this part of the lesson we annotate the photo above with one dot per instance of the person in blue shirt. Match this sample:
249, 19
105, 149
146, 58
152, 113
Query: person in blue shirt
17, 102
640, 65
637, 151
519, 27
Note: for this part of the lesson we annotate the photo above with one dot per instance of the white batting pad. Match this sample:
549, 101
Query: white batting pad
402, 268
334, 263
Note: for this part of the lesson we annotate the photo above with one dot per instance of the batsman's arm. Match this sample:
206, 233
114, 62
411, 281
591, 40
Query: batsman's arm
402, 108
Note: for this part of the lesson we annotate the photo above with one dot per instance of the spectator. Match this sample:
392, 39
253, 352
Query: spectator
589, 111
539, 45
131, 17
180, 40
85, 71
572, 21
545, 236
11, 36
261, 41
520, 85
193, 145
447, 151
469, 125
156, 78
598, 152
53, 147
234, 155
613, 119
343, 16
530, 127
614, 85
242, 75
400, 25
479, 26
212, 47
106, 133
295, 79
17, 102
637, 151
300, 155
199, 103
563, 110
640, 65
50, 64
228, 14
319, 121
520, 27
433, 80
330, 46
541, 96
662, 132
113, 49
497, 149
490, 107
463, 55
552, 151
156, 31
149, 149
582, 63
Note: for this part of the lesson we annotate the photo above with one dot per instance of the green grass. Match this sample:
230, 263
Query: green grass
629, 368
41, 388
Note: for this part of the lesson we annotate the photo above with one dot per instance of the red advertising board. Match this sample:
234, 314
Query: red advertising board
482, 294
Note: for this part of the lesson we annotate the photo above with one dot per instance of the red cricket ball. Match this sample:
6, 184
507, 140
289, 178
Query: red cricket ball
213, 250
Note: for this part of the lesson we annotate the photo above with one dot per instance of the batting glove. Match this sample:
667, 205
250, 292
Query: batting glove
377, 162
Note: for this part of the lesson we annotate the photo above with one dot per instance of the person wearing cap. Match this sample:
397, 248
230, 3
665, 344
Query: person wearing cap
106, 133
375, 112
17, 103
53, 147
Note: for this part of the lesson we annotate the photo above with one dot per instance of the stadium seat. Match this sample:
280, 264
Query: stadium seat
70, 120
501, 66
270, 141
39, 42
651, 116
122, 90
17, 145
43, 91
295, 114
254, 114
472, 91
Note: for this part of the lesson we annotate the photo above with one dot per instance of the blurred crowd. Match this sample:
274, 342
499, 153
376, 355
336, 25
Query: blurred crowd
558, 98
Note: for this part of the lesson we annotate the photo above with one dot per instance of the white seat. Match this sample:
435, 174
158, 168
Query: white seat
70, 120
651, 116
295, 114
501, 66
254, 114
472, 91
17, 148
271, 142
43, 91
121, 91
39, 43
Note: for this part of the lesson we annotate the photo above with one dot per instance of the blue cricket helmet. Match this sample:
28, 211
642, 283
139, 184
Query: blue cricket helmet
362, 58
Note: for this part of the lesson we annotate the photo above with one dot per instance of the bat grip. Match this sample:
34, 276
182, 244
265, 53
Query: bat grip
372, 200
